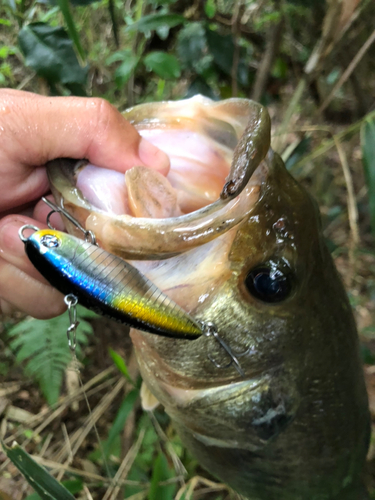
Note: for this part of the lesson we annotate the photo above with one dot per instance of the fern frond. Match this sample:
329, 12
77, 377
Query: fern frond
42, 348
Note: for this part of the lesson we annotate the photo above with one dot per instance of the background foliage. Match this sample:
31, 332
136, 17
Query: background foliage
312, 62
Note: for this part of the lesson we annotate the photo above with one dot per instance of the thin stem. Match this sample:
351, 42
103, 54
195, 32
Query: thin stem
236, 52
349, 70
352, 204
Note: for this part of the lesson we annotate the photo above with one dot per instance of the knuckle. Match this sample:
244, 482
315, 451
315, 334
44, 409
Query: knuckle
103, 113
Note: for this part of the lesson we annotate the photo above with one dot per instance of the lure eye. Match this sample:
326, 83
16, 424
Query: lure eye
268, 284
50, 241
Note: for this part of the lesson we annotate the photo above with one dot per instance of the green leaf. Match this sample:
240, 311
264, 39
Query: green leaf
222, 50
43, 345
120, 419
368, 159
83, 2
192, 47
280, 69
156, 21
43, 483
163, 32
72, 30
161, 472
368, 332
112, 15
5, 22
210, 8
163, 64
138, 475
7, 50
120, 364
298, 152
366, 355
49, 51
12, 5
146, 455
126, 69
199, 86
119, 55
72, 485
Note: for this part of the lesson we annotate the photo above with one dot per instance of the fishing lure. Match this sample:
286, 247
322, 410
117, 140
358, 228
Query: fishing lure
106, 284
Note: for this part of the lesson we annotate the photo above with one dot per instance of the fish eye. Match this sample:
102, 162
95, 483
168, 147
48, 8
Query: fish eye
268, 284
50, 241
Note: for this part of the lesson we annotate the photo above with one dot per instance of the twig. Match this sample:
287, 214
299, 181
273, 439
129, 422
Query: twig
349, 70
189, 487
46, 444
50, 464
178, 465
26, 81
264, 68
327, 145
80, 435
46, 420
352, 204
124, 468
127, 438
48, 416
293, 105
87, 491
11, 388
70, 458
236, 52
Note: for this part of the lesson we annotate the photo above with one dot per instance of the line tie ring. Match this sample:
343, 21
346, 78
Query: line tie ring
22, 229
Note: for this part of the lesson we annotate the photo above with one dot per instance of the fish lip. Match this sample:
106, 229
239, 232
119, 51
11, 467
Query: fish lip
185, 396
154, 239
195, 395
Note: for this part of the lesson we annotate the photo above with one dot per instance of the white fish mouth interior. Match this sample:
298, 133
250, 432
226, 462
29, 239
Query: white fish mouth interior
198, 169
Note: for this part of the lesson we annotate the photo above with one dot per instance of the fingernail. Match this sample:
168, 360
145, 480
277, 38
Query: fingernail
10, 242
153, 157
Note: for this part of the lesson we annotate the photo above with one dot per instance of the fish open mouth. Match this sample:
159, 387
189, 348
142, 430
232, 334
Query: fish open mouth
146, 215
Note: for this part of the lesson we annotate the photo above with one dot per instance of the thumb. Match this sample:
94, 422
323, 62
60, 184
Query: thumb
73, 127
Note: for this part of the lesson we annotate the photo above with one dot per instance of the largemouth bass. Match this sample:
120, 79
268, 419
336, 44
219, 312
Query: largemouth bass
236, 242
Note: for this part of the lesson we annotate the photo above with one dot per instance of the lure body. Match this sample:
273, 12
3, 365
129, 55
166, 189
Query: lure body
107, 284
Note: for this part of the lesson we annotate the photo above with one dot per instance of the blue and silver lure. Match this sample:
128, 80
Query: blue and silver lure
106, 284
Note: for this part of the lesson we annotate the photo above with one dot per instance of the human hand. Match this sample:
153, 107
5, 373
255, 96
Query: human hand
35, 129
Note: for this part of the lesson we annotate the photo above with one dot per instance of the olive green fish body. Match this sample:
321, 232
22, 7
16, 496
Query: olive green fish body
251, 259
298, 426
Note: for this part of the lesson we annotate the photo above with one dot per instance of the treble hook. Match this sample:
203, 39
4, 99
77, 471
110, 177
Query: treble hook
89, 235
209, 330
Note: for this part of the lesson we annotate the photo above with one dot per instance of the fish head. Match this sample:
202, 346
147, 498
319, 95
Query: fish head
274, 387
